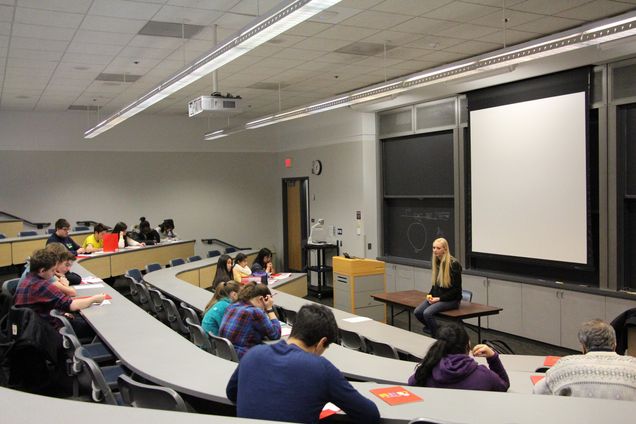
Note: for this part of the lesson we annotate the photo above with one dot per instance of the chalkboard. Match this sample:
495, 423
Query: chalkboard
418, 165
411, 225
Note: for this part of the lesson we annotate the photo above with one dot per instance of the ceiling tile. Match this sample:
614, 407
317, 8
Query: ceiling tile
410, 7
442, 57
48, 18
108, 24
6, 13
254, 7
102, 37
31, 63
322, 44
511, 37
88, 59
473, 48
43, 32
434, 42
186, 15
424, 26
596, 10
5, 28
308, 29
344, 32
71, 6
359, 4
142, 53
335, 15
35, 54
124, 9
460, 11
156, 42
468, 31
37, 44
293, 53
78, 46
514, 18
205, 4
391, 37
233, 21
547, 7
549, 25
378, 20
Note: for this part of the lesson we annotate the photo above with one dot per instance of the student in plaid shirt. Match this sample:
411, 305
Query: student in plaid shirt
250, 319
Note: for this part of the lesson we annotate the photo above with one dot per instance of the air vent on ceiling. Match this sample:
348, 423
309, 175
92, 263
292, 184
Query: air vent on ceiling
268, 85
82, 107
117, 77
170, 29
364, 49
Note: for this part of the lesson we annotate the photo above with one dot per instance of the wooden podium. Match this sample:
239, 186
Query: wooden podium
353, 283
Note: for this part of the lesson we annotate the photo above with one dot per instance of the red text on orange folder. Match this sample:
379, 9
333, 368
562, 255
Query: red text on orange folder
396, 395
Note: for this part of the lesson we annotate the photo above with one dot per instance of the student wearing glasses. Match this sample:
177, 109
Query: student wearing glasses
62, 228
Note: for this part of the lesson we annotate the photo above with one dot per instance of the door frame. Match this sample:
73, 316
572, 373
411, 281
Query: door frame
304, 218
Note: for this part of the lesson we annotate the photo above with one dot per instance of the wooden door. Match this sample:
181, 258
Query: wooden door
295, 222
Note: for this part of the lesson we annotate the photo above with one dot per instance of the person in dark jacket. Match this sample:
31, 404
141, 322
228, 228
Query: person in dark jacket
448, 365
263, 262
446, 291
146, 234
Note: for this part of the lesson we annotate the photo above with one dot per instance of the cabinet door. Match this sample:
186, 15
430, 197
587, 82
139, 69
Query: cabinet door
506, 295
541, 312
478, 286
577, 308
422, 277
614, 307
404, 278
389, 275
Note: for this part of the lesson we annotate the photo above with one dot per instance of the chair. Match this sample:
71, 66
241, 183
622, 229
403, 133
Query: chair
156, 299
103, 380
3, 235
143, 297
133, 276
194, 258
174, 319
50, 230
9, 286
230, 249
352, 340
176, 262
199, 337
188, 312
27, 233
224, 348
467, 296
382, 349
213, 253
290, 316
81, 228
153, 267
140, 395
96, 351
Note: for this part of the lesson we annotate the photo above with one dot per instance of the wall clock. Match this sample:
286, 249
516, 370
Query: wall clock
316, 167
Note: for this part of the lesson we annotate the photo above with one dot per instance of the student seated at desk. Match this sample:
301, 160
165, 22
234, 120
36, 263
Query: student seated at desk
63, 277
62, 228
240, 268
223, 270
447, 365
250, 319
224, 294
124, 239
263, 262
599, 373
166, 230
146, 234
38, 293
95, 242
290, 381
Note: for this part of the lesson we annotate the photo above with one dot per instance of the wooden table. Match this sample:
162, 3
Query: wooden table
408, 300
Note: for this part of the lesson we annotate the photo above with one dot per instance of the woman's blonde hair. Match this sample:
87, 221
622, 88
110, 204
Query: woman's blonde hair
222, 290
441, 267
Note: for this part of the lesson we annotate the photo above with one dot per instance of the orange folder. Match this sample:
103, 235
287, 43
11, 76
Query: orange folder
536, 378
396, 395
551, 360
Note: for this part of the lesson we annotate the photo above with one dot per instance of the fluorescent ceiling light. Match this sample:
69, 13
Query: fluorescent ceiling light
489, 64
264, 29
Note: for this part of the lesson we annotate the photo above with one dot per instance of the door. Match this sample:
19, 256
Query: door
295, 218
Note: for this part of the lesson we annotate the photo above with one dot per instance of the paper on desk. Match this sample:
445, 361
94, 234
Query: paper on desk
91, 279
280, 275
105, 302
328, 410
357, 319
88, 286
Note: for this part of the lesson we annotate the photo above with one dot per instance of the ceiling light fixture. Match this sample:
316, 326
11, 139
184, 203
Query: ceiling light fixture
595, 33
264, 29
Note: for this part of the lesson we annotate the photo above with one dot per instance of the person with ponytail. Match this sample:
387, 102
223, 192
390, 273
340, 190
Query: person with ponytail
446, 291
225, 294
447, 365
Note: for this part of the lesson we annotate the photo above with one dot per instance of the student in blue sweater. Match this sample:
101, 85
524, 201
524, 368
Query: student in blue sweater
225, 294
290, 381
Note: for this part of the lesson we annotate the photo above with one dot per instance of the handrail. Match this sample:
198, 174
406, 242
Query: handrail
223, 243
87, 223
39, 225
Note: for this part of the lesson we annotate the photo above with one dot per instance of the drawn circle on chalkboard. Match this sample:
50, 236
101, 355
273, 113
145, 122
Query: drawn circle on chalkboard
417, 236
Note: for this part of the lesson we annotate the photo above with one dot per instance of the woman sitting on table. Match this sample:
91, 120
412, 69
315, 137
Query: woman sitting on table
240, 268
446, 291
146, 234
224, 294
250, 319
263, 262
447, 365
124, 239
223, 270
95, 241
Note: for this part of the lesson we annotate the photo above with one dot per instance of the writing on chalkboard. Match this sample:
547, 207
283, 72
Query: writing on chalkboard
417, 232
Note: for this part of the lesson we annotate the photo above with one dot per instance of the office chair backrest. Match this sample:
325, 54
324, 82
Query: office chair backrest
63, 320
188, 312
467, 296
10, 286
81, 228
50, 231
199, 337
213, 253
176, 262
101, 389
174, 319
352, 340
140, 395
3, 235
194, 258
153, 267
135, 274
381, 349
156, 298
290, 316
27, 233
224, 348
143, 297
230, 249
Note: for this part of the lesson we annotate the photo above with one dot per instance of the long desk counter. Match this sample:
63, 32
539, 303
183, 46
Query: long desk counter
11, 227
155, 352
15, 250
113, 264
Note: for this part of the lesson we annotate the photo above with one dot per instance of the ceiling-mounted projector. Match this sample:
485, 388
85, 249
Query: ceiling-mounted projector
215, 104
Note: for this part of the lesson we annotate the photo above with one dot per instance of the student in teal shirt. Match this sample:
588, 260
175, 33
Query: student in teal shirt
225, 294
